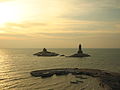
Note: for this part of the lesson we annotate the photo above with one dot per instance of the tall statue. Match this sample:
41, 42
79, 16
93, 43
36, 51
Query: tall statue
80, 49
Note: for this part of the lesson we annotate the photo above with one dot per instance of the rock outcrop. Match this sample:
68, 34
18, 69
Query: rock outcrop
46, 53
80, 53
108, 80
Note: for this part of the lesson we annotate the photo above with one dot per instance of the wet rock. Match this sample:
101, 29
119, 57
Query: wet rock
47, 74
43, 75
62, 72
73, 82
62, 55
76, 82
81, 77
108, 80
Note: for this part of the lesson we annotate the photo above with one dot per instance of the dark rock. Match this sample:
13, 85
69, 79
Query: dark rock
81, 77
47, 74
108, 80
77, 73
62, 72
41, 74
46, 53
73, 82
62, 55
80, 53
79, 81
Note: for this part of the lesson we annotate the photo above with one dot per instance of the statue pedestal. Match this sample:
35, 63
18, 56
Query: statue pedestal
80, 53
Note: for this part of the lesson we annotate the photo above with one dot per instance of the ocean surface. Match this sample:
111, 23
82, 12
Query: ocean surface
16, 65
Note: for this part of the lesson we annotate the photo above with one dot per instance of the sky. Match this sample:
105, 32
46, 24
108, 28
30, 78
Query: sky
59, 23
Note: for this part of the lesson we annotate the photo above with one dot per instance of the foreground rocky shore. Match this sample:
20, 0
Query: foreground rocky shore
108, 80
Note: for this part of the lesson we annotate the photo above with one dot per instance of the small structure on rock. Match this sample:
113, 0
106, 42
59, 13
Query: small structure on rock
80, 53
46, 53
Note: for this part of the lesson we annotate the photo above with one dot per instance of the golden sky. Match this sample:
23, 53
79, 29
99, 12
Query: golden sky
59, 23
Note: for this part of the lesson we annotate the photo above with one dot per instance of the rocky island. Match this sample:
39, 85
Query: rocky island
80, 53
103, 79
46, 53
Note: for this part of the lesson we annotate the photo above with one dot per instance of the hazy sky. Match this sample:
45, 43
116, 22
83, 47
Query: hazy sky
59, 23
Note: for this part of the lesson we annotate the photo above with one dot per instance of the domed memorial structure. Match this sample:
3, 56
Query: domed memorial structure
45, 53
80, 53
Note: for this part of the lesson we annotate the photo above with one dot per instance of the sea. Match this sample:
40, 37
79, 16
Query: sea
16, 65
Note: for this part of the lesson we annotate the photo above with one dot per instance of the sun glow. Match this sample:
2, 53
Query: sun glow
9, 12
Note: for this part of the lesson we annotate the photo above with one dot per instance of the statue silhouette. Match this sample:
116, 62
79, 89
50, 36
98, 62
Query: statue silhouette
80, 49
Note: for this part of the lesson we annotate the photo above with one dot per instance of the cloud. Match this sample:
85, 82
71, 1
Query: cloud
5, 0
98, 10
59, 29
14, 36
100, 14
97, 3
71, 34
118, 26
23, 27
25, 24
108, 3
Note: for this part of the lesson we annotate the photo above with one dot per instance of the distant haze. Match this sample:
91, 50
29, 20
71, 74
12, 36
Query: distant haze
59, 23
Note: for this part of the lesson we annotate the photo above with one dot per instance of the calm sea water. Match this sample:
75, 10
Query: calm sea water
16, 65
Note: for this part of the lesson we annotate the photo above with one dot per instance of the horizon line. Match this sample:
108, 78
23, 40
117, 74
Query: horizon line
58, 48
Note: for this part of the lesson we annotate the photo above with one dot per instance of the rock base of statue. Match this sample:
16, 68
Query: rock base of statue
80, 53
46, 53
